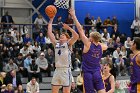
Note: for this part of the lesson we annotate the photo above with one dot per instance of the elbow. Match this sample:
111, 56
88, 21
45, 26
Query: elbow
77, 37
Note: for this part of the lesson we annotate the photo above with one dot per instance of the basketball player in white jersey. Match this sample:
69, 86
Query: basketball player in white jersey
62, 75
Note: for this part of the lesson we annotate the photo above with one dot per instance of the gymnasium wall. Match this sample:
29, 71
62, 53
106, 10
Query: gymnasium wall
123, 9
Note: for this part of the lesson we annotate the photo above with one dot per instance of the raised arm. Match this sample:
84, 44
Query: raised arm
50, 34
75, 36
79, 27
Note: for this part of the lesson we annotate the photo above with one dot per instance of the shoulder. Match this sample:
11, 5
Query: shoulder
111, 78
138, 59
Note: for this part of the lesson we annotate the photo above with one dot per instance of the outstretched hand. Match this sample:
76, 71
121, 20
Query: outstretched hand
65, 26
72, 12
51, 20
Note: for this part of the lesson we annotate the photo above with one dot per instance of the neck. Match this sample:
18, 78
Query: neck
106, 74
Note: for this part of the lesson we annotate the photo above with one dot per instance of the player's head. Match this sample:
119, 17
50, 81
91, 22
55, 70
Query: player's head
95, 37
135, 44
107, 67
64, 37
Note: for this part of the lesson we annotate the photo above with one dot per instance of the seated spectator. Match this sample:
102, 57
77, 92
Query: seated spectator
3, 88
116, 54
43, 64
120, 65
106, 60
124, 53
118, 43
110, 45
34, 71
114, 21
122, 38
5, 54
32, 86
36, 48
79, 81
115, 31
11, 66
13, 78
24, 51
107, 21
18, 39
127, 45
9, 89
20, 89
8, 40
50, 58
20, 63
105, 36
74, 89
69, 20
27, 62
41, 40
2, 77
48, 42
92, 30
27, 39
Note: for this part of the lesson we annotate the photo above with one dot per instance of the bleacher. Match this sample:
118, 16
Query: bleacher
45, 86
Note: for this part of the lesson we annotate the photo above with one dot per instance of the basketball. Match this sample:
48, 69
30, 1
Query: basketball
50, 11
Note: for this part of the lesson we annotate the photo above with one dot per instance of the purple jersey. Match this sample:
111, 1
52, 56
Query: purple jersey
107, 84
91, 59
135, 71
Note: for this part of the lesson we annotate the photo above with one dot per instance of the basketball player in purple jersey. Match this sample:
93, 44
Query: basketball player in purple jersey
92, 54
135, 66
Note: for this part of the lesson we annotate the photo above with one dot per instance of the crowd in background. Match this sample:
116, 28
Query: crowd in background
24, 56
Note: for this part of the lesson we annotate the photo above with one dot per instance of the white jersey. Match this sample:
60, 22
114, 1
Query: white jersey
62, 56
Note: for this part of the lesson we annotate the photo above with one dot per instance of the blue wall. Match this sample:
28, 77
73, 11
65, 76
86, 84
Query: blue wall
123, 9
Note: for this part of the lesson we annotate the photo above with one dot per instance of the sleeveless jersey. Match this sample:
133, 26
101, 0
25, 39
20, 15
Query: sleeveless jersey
134, 71
62, 56
91, 59
107, 84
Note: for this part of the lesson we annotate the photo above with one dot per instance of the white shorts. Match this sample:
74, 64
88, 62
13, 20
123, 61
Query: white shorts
62, 77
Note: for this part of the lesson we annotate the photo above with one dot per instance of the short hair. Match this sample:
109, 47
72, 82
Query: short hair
66, 34
137, 42
96, 36
109, 64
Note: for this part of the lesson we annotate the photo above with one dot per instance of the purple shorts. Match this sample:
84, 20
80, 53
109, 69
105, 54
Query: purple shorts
135, 88
93, 81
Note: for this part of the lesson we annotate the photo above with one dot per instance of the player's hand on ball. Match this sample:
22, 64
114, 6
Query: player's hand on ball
65, 26
72, 11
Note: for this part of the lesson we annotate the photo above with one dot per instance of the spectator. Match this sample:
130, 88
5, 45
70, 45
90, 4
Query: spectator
74, 89
114, 21
13, 79
106, 60
24, 51
3, 88
115, 31
9, 89
79, 81
124, 53
41, 40
48, 42
11, 66
116, 53
36, 48
98, 24
69, 20
32, 86
127, 45
34, 71
27, 38
118, 43
50, 58
27, 62
87, 20
120, 65
105, 36
110, 45
20, 63
92, 30
7, 19
93, 21
123, 38
20, 89
40, 20
2, 77
18, 39
135, 25
107, 21
30, 47
43, 64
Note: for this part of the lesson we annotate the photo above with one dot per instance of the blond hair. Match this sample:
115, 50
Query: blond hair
96, 36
